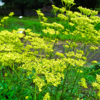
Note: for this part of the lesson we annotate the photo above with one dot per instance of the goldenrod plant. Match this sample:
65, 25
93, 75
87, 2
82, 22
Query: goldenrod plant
32, 69
4, 20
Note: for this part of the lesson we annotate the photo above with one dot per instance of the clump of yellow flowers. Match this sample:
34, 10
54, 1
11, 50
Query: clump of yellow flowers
97, 84
83, 83
11, 14
4, 19
33, 54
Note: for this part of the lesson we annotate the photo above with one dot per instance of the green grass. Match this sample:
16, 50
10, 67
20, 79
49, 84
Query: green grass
33, 23
25, 22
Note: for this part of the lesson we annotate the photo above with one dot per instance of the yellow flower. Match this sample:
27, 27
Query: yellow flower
94, 84
55, 8
99, 93
44, 19
28, 30
93, 47
11, 14
83, 83
46, 97
5, 74
5, 17
60, 54
79, 71
26, 97
2, 20
97, 84
94, 62
62, 10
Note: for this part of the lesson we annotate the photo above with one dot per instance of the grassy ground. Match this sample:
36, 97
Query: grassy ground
33, 23
26, 22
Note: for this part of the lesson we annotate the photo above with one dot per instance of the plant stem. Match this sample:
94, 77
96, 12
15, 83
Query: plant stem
64, 82
35, 93
74, 83
93, 55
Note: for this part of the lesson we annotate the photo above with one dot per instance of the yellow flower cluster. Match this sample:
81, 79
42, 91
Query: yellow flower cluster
55, 8
87, 11
52, 70
5, 19
60, 54
58, 26
26, 97
79, 71
68, 1
79, 99
11, 14
46, 97
62, 17
62, 10
69, 13
83, 83
40, 13
97, 84
95, 19
38, 82
94, 62
93, 48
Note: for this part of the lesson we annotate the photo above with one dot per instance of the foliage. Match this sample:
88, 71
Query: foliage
23, 4
31, 68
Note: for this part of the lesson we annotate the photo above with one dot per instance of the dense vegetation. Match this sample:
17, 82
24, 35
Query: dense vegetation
30, 66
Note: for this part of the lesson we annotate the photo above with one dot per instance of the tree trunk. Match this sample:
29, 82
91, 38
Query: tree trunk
22, 11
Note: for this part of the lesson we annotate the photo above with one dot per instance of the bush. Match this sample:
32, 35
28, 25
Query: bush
31, 68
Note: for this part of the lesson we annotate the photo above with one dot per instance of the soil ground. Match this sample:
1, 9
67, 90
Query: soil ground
59, 47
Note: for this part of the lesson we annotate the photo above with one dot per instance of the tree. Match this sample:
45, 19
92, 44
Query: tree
22, 4
84, 3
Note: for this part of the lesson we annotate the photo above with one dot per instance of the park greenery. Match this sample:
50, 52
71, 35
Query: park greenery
23, 5
32, 69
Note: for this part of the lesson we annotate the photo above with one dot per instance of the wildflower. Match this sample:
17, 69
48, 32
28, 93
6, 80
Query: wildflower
5, 18
60, 54
83, 83
26, 97
62, 10
68, 1
44, 19
79, 99
94, 62
55, 8
94, 84
93, 48
79, 71
5, 74
2, 20
97, 84
99, 93
28, 30
62, 17
11, 14
46, 97
71, 24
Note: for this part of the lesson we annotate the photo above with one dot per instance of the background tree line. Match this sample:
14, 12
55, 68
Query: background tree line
36, 4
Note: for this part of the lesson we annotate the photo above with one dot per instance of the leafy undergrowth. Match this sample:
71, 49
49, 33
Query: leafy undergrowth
32, 69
